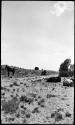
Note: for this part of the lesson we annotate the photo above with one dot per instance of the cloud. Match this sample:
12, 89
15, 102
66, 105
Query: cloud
60, 7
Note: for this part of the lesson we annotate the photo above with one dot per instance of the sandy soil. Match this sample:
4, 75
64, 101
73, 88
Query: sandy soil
38, 102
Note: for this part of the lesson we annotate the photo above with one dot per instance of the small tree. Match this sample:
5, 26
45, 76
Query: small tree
36, 68
63, 70
44, 72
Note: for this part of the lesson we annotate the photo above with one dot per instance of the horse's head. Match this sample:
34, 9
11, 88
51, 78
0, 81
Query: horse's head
6, 67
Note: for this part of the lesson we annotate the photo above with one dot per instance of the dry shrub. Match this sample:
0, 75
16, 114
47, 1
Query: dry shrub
68, 114
28, 115
21, 82
41, 103
52, 115
35, 110
11, 106
58, 117
15, 84
26, 99
50, 95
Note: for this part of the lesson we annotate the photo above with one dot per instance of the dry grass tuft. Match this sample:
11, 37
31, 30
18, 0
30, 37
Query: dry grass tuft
68, 114
11, 106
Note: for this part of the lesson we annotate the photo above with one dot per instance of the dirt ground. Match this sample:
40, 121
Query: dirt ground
32, 100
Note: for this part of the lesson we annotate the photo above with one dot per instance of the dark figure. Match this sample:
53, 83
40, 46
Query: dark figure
54, 79
9, 70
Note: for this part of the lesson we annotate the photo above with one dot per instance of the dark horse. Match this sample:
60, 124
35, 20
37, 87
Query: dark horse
9, 70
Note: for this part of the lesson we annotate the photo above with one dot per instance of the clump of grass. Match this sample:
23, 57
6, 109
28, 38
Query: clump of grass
35, 110
50, 95
11, 106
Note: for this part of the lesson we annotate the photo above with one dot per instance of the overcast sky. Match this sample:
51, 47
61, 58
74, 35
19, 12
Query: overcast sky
37, 33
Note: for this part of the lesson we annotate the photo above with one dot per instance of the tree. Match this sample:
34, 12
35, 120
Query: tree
63, 70
36, 68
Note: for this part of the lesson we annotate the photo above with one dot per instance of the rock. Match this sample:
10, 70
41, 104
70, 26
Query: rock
68, 82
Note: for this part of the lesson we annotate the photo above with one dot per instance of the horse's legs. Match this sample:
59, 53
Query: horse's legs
13, 72
8, 73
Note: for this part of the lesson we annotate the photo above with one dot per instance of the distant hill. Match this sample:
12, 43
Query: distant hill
21, 72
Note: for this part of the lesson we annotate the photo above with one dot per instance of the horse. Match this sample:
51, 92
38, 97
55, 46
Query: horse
9, 70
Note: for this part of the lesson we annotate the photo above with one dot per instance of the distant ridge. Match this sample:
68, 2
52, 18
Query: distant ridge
22, 72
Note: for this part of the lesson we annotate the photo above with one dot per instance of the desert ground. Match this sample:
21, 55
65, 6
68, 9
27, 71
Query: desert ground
32, 100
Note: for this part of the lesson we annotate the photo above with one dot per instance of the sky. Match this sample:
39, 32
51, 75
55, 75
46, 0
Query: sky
37, 33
